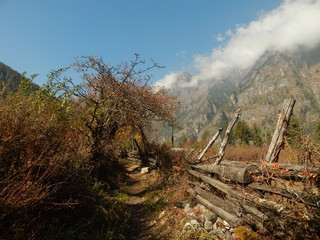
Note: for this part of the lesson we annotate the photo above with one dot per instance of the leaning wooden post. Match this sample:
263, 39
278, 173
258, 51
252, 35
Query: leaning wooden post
213, 139
281, 128
226, 136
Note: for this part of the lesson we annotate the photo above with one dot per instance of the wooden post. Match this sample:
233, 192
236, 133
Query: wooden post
226, 136
281, 128
213, 139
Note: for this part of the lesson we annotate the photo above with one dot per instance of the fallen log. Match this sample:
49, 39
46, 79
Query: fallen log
292, 167
219, 202
236, 174
227, 204
271, 189
299, 197
286, 174
285, 171
249, 209
232, 207
229, 218
278, 208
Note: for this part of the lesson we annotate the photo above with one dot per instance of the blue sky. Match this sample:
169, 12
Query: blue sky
38, 36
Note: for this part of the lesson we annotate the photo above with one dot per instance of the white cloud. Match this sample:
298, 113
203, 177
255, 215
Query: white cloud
293, 24
220, 38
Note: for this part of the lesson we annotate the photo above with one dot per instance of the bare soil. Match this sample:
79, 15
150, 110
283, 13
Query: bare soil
139, 224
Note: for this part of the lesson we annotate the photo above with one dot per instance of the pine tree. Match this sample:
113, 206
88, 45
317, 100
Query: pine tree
294, 131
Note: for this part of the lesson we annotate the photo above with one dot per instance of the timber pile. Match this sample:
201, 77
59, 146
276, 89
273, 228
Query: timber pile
281, 199
263, 196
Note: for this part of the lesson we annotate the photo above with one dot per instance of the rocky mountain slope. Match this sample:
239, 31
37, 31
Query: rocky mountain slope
8, 76
260, 93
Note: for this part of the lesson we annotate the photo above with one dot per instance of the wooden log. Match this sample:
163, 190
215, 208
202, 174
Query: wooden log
254, 165
242, 196
299, 197
291, 167
226, 137
281, 127
231, 207
229, 218
219, 202
250, 167
271, 189
250, 209
236, 174
206, 148
285, 171
286, 174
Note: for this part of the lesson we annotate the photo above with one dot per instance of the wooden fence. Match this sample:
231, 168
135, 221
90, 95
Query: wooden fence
266, 196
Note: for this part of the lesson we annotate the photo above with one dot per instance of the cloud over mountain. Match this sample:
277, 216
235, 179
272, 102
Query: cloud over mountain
294, 24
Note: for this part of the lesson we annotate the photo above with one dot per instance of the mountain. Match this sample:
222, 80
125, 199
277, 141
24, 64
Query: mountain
259, 93
9, 77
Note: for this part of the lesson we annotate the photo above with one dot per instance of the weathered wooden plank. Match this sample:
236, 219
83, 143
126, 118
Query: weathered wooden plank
281, 127
226, 137
206, 148
271, 189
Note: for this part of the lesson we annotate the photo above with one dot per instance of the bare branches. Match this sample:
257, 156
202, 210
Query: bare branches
112, 97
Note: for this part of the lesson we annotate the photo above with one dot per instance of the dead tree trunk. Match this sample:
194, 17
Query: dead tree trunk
281, 127
226, 137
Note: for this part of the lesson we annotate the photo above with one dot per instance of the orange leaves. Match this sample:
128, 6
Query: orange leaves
283, 171
245, 195
275, 166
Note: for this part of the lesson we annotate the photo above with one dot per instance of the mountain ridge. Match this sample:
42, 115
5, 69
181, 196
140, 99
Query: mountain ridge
260, 93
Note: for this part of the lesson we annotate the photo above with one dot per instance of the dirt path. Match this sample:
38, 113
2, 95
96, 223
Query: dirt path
139, 227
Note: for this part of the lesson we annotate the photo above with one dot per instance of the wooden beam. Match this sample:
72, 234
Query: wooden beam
281, 128
213, 139
226, 137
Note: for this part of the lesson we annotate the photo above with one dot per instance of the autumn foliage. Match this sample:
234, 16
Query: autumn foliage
59, 147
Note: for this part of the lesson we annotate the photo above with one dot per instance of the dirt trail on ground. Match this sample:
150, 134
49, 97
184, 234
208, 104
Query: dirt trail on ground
139, 227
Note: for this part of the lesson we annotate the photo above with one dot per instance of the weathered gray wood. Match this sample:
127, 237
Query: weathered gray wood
191, 152
281, 127
292, 167
219, 202
231, 219
250, 167
254, 218
226, 137
250, 209
241, 196
275, 190
235, 174
213, 139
